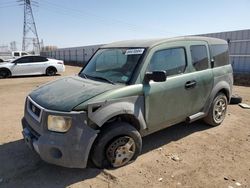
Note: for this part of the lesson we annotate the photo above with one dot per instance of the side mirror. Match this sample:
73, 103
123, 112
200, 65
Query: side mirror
156, 76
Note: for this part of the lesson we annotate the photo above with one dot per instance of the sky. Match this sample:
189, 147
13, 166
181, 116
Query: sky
69, 23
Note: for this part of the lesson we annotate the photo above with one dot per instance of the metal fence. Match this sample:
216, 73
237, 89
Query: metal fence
239, 50
73, 55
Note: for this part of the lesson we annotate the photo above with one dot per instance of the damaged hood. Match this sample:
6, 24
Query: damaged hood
66, 93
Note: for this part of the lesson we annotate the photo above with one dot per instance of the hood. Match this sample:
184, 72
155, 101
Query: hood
66, 93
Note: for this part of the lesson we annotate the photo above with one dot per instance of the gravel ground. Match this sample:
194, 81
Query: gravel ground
184, 155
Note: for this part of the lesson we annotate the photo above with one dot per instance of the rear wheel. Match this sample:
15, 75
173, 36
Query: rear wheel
51, 71
4, 73
217, 111
119, 144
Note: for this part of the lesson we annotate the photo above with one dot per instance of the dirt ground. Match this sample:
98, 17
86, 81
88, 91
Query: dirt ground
184, 155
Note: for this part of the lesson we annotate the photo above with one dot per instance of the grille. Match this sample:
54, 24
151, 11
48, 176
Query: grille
34, 110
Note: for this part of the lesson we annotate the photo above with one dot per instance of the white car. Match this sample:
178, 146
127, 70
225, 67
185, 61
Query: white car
31, 65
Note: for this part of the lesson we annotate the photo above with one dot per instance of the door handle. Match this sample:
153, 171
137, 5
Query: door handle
190, 84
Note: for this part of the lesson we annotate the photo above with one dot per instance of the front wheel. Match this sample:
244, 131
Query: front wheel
117, 145
217, 111
4, 73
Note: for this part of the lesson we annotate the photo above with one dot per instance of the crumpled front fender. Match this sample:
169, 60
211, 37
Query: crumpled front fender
101, 112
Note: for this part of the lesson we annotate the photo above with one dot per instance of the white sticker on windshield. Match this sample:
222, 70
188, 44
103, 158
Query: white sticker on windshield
134, 51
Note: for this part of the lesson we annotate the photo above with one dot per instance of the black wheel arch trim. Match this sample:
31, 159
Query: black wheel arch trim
221, 86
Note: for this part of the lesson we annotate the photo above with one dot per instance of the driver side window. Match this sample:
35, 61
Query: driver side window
173, 61
23, 60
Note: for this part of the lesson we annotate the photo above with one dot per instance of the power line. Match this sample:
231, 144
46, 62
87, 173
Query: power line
106, 20
7, 2
9, 6
98, 18
52, 10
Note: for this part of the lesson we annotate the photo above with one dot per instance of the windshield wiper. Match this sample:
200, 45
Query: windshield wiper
102, 78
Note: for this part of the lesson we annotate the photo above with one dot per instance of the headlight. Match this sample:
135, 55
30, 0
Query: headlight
59, 123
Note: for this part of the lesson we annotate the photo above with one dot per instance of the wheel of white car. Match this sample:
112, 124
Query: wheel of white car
51, 71
5, 73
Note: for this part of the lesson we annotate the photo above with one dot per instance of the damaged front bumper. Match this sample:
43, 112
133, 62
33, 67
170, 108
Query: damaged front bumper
70, 149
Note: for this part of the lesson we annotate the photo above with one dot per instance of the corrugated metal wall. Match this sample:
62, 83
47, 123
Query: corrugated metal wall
74, 55
239, 48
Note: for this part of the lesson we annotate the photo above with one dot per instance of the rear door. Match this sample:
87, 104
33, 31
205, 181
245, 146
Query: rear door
39, 65
202, 75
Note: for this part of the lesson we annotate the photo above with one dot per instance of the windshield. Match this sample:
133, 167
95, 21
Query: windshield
113, 65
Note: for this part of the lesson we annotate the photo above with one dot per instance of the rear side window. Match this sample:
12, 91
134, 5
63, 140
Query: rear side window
220, 54
39, 59
199, 57
173, 61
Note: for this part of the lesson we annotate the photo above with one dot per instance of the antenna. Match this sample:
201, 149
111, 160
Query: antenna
30, 35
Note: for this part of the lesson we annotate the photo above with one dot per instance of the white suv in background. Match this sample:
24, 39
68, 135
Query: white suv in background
31, 65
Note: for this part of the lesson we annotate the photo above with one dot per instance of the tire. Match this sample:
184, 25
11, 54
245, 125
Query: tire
51, 71
217, 111
117, 145
235, 99
4, 73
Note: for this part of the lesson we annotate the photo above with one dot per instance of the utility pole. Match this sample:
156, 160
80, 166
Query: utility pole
30, 35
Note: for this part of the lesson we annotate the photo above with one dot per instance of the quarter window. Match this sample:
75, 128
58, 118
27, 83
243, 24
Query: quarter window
220, 54
173, 61
199, 57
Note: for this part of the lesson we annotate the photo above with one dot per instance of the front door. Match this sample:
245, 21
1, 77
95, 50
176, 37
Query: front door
22, 66
188, 85
168, 102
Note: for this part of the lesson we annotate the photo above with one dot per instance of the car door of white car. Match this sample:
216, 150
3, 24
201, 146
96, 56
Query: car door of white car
22, 66
30, 65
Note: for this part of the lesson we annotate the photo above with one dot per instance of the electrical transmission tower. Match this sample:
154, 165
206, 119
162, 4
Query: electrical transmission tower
30, 35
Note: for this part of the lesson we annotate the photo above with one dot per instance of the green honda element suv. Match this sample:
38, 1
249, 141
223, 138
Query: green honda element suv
128, 90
